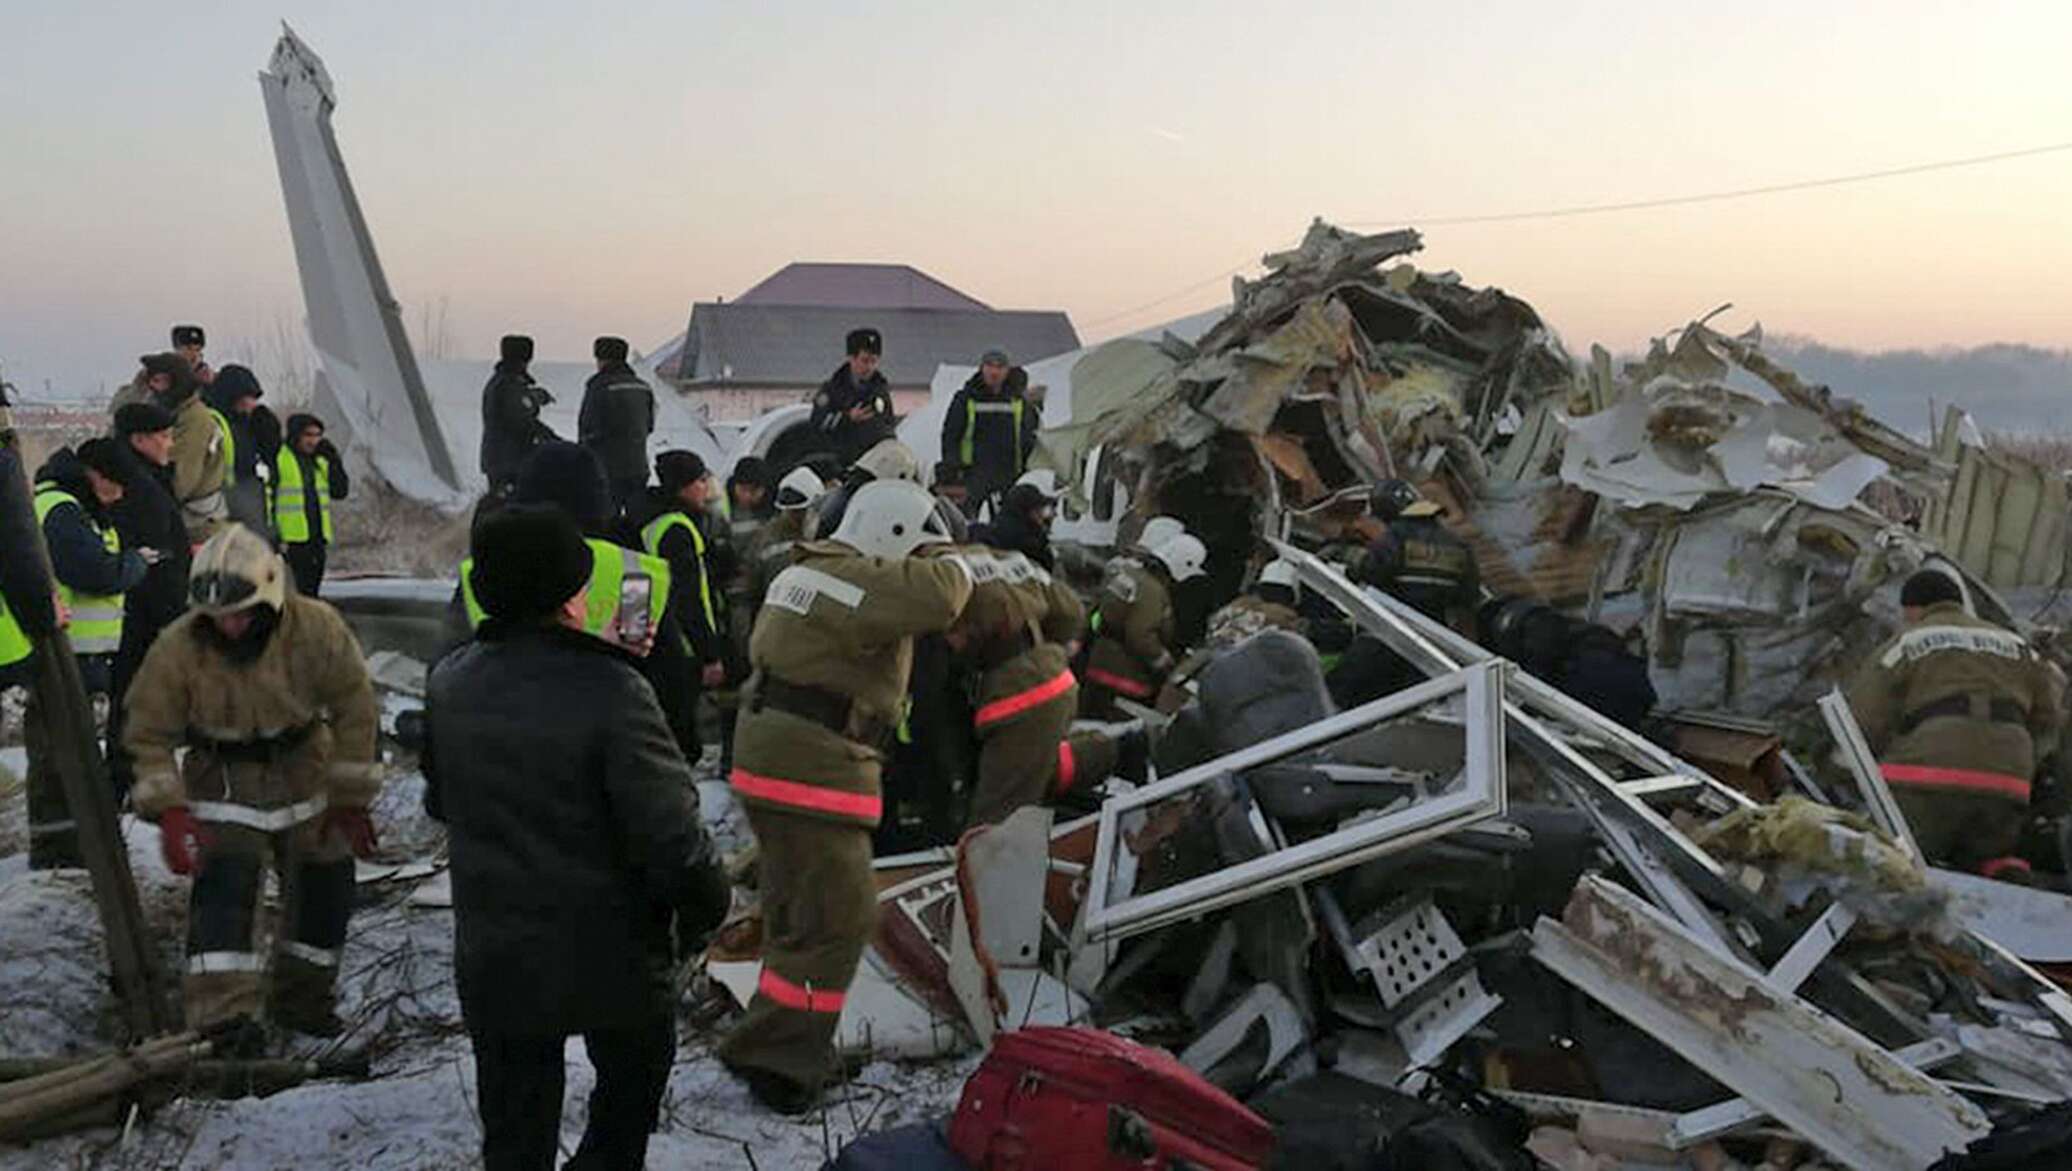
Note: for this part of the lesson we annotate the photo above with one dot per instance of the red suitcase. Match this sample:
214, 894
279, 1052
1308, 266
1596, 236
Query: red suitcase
1087, 1100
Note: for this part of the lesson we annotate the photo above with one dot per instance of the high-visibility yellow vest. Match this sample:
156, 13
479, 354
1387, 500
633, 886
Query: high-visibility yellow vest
14, 642
229, 446
971, 409
96, 618
610, 566
290, 499
651, 540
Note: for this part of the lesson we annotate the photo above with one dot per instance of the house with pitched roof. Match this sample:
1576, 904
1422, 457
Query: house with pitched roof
777, 342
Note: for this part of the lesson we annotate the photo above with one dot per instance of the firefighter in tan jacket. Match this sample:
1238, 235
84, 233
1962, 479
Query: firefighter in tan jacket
1958, 711
1133, 647
268, 693
831, 652
1017, 632
201, 458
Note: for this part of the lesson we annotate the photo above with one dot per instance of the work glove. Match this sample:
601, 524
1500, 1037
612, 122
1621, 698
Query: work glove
180, 839
354, 828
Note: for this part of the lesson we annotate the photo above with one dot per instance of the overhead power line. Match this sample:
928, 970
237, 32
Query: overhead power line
1625, 205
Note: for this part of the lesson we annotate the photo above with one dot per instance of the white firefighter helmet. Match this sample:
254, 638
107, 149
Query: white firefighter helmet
1280, 572
1184, 556
890, 460
1157, 531
798, 488
1043, 480
890, 518
235, 570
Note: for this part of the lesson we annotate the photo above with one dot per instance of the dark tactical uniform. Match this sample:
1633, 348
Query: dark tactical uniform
1420, 561
1958, 711
1016, 626
831, 652
1132, 653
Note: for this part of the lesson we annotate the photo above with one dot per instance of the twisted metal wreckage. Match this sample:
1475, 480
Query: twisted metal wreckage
1729, 966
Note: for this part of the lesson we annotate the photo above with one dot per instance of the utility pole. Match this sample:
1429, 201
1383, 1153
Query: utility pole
75, 755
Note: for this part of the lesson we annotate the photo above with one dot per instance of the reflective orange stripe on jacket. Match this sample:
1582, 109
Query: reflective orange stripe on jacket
1929, 776
1068, 767
1114, 682
1021, 701
798, 997
813, 798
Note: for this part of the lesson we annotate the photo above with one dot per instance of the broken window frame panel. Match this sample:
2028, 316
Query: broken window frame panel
1481, 795
1797, 1064
1722, 1118
1863, 765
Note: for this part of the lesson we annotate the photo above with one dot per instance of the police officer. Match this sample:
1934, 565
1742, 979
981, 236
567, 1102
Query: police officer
675, 533
989, 429
307, 477
1958, 711
615, 420
831, 653
72, 497
268, 692
1133, 650
852, 411
511, 403
1417, 559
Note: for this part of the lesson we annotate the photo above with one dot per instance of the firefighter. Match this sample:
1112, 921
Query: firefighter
1270, 606
830, 652
93, 571
989, 430
1133, 649
1017, 632
674, 532
774, 545
1417, 559
307, 477
268, 693
1958, 711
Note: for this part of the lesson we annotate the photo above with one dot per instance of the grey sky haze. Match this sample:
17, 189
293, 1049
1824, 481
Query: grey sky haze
571, 170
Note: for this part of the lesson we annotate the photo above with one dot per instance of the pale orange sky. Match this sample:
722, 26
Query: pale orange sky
567, 171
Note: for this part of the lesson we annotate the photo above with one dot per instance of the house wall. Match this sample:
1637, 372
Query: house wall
738, 403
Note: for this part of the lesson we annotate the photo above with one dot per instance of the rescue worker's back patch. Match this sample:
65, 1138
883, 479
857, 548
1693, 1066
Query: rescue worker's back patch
797, 586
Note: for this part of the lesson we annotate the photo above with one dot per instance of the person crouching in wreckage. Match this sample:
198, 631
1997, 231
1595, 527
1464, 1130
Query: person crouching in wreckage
1958, 711
268, 692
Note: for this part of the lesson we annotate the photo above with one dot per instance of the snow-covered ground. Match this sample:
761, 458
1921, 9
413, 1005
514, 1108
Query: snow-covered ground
397, 994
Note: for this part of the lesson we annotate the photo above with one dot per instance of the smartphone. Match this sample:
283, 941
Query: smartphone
636, 592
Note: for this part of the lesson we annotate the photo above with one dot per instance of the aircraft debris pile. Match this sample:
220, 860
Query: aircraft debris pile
1686, 956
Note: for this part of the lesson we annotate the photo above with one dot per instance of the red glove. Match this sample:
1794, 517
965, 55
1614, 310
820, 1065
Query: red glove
355, 827
180, 838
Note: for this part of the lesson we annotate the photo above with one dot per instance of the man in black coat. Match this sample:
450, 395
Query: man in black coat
1023, 525
852, 411
576, 848
616, 418
511, 403
147, 517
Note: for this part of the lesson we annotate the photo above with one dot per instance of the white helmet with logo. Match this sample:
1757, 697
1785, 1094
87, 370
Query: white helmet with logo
890, 459
237, 570
1184, 556
1043, 480
890, 518
799, 487
1279, 572
1157, 531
